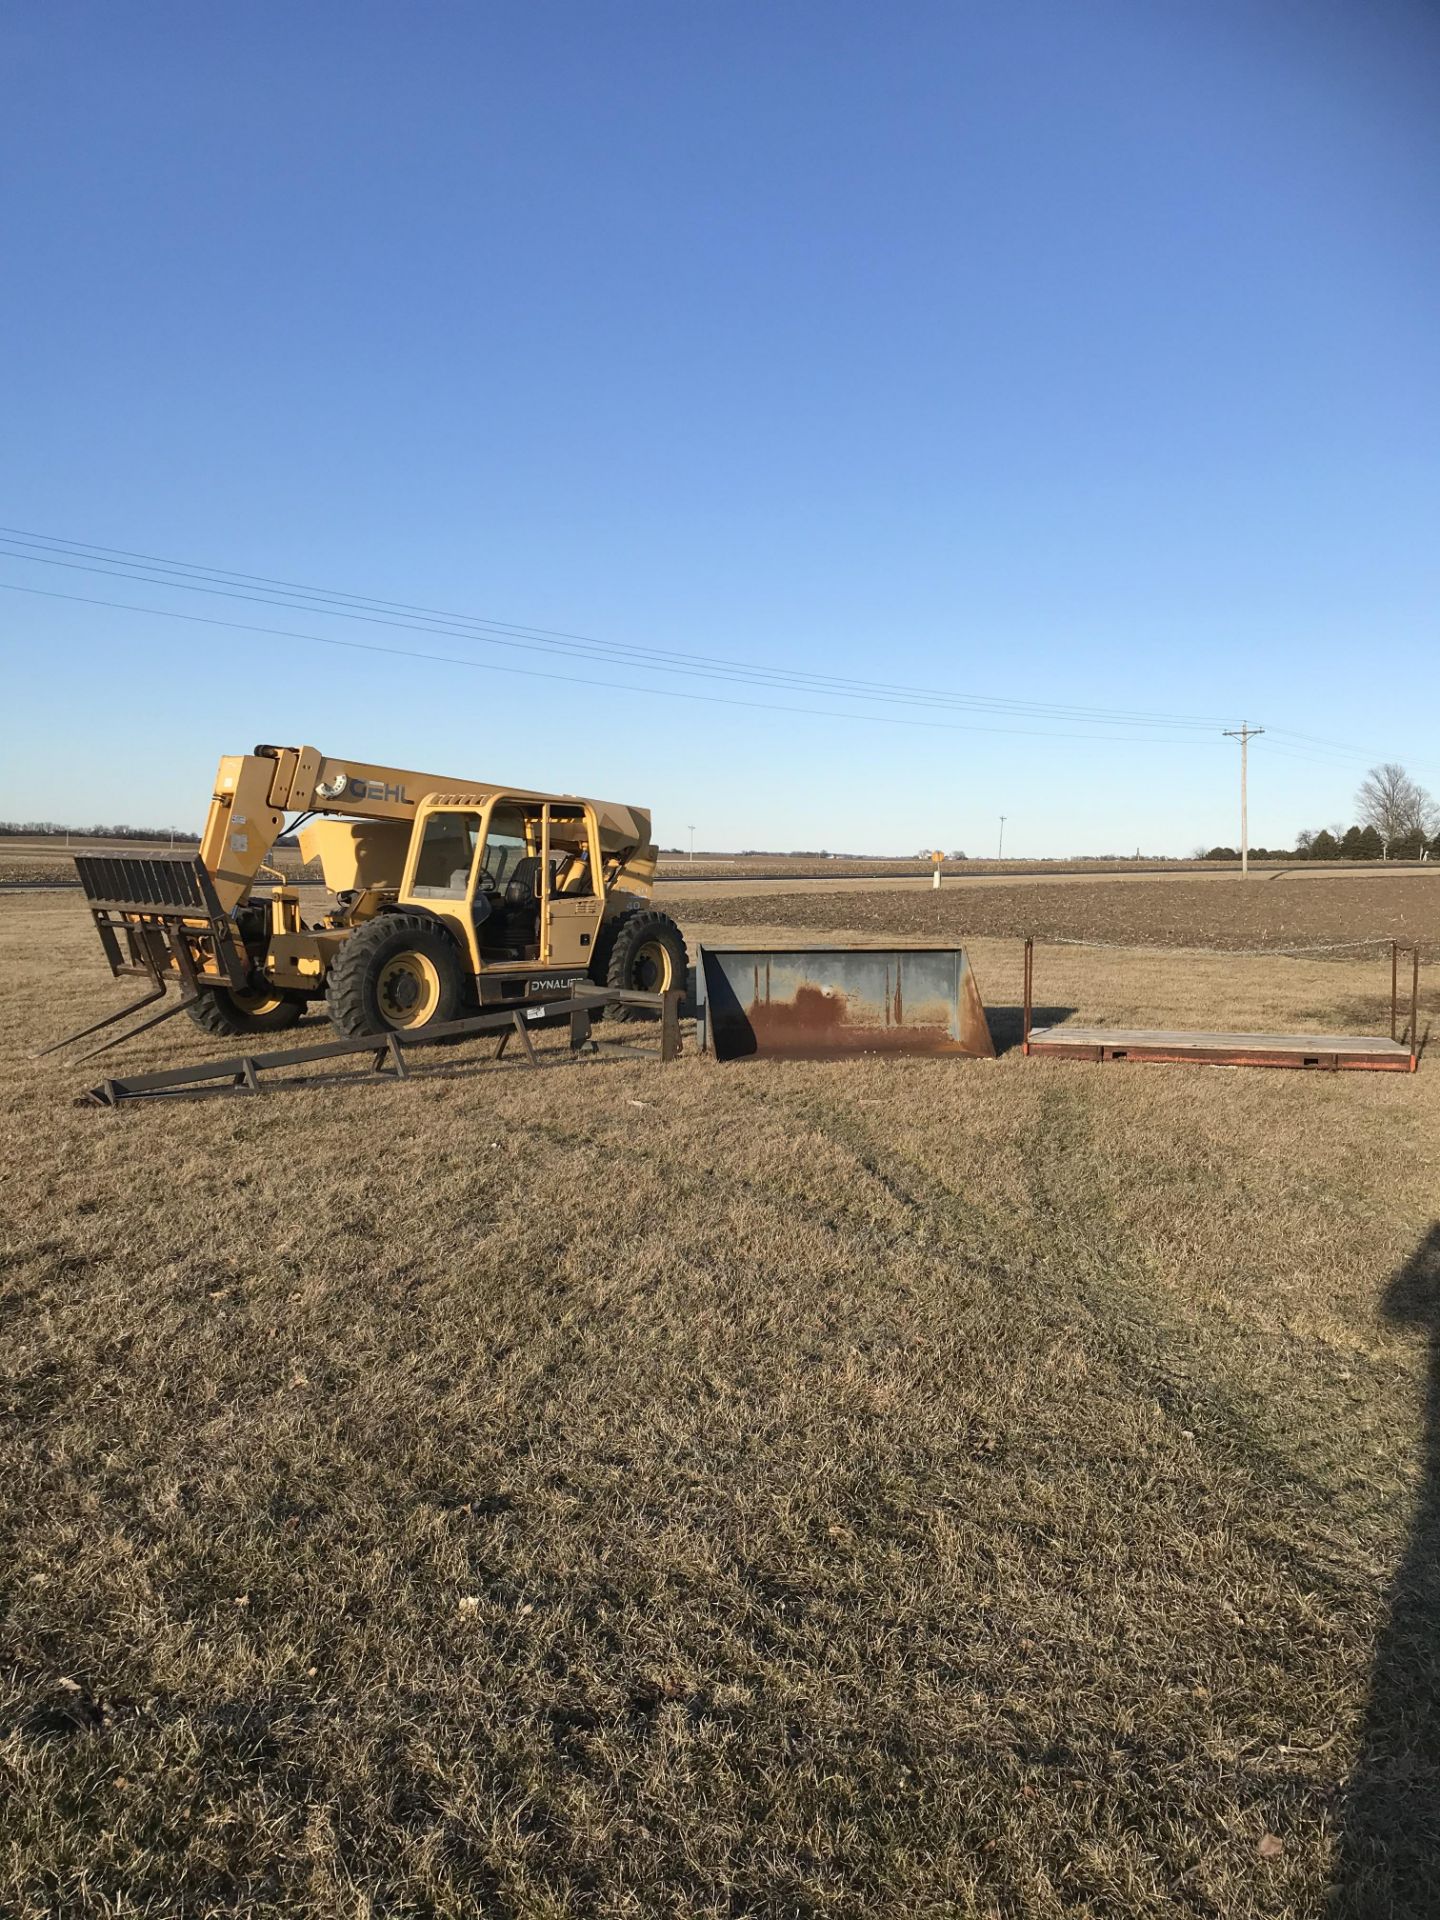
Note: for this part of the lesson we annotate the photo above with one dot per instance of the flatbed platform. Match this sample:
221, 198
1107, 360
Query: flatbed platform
1322, 1052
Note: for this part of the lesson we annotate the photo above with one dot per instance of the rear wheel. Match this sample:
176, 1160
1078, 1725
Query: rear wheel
643, 952
396, 972
266, 1010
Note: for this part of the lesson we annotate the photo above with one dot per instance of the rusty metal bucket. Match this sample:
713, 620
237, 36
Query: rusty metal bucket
824, 1003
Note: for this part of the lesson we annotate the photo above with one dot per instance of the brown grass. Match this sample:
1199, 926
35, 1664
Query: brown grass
897, 1488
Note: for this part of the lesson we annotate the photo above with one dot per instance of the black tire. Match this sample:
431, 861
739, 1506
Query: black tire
219, 1012
642, 952
398, 970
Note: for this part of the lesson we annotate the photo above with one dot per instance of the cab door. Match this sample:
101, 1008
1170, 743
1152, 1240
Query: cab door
573, 888
440, 870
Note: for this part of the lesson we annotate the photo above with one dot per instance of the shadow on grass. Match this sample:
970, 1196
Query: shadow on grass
1388, 1865
1007, 1024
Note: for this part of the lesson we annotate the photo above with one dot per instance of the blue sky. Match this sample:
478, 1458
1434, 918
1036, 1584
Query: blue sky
1049, 356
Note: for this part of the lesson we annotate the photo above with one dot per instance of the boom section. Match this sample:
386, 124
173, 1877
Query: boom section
254, 792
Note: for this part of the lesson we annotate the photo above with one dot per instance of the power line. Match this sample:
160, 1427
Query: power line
616, 686
1338, 746
77, 555
1059, 710
781, 679
188, 576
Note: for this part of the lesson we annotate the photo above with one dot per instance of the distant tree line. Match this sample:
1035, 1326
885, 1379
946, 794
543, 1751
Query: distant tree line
34, 828
1398, 821
1337, 843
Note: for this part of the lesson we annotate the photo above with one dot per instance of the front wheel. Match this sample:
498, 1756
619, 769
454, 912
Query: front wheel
397, 971
266, 1010
644, 952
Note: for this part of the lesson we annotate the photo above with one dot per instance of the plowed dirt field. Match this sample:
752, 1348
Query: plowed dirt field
1266, 913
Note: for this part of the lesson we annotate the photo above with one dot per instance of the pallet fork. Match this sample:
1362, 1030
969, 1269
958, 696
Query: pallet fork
164, 910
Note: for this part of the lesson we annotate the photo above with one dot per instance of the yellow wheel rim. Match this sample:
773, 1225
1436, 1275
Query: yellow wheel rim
408, 990
254, 1003
654, 967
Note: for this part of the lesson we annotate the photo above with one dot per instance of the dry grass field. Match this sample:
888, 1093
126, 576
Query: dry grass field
50, 864
778, 866
889, 1488
47, 860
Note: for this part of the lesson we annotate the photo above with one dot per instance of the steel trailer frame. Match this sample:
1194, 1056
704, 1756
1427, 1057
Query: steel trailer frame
1326, 1053
242, 1073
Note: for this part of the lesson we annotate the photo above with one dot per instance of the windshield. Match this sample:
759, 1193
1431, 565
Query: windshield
447, 847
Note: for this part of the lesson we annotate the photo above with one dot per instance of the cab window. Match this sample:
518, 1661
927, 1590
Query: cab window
447, 848
570, 853
505, 848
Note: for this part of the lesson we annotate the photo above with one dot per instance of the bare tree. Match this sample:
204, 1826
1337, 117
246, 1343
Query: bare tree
1397, 807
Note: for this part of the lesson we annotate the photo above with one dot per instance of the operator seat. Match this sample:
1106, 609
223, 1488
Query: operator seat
514, 923
520, 887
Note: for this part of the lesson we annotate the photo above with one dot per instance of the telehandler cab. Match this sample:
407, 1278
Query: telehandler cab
445, 894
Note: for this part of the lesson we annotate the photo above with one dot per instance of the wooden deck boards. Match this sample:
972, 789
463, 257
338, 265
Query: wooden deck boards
1318, 1051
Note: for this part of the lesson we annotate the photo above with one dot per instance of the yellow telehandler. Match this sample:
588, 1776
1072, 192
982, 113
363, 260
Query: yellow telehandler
444, 895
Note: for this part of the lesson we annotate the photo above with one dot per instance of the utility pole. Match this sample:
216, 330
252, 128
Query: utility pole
692, 846
1000, 851
1244, 734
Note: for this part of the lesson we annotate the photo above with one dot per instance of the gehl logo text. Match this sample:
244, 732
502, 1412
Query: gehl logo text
375, 790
